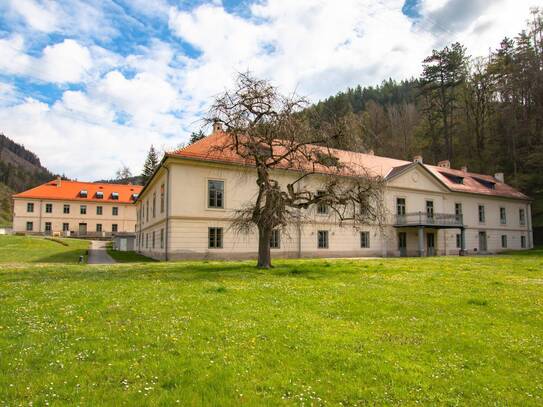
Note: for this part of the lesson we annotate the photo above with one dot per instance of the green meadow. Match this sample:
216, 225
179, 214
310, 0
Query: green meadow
444, 330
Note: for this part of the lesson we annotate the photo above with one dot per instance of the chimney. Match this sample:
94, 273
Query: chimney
499, 176
217, 127
59, 181
444, 164
464, 169
417, 159
371, 152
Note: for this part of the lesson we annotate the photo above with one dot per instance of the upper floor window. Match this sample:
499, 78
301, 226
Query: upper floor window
275, 240
430, 209
365, 240
215, 194
400, 206
66, 209
99, 210
49, 208
322, 208
162, 193
30, 207
322, 239
522, 217
83, 209
147, 211
154, 204
115, 211
481, 214
458, 209
215, 238
503, 216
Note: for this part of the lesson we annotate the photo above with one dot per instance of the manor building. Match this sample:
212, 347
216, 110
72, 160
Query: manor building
185, 210
72, 208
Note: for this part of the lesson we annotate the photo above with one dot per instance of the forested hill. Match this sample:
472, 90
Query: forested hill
20, 169
483, 113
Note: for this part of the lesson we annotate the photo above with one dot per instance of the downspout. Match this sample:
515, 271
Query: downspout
41, 204
167, 211
529, 224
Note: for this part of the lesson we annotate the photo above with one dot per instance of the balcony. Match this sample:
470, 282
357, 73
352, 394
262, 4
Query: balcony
435, 220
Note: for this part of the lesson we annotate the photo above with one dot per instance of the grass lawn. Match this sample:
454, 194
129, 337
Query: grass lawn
127, 257
30, 249
310, 332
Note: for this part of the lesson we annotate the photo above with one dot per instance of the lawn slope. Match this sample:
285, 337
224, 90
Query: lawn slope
30, 249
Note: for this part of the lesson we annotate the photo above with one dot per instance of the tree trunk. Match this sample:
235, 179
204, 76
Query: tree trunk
264, 252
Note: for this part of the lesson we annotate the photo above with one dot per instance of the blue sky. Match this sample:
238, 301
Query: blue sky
90, 85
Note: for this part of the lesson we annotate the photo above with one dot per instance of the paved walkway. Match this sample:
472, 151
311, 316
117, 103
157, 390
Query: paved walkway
98, 253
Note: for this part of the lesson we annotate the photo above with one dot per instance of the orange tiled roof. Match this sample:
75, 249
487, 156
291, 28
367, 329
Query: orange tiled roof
205, 149
71, 190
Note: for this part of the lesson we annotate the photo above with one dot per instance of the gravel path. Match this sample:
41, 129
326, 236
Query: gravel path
98, 253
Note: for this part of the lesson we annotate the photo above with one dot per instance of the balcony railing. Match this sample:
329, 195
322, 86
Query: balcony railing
430, 219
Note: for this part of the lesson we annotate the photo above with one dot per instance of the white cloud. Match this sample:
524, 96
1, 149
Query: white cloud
41, 16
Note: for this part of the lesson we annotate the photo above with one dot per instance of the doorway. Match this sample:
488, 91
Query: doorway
82, 229
482, 242
430, 244
402, 243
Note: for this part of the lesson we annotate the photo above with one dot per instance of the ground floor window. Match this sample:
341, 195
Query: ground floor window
114, 227
504, 241
322, 239
523, 242
275, 240
65, 227
153, 240
98, 227
365, 240
162, 238
458, 240
29, 226
47, 226
147, 240
215, 238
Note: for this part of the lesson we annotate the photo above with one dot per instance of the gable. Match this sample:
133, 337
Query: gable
417, 178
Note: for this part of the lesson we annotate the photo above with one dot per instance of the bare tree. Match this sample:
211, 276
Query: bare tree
123, 173
264, 129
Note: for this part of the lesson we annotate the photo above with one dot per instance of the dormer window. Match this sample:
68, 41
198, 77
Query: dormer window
134, 197
484, 182
83, 193
453, 178
99, 195
115, 196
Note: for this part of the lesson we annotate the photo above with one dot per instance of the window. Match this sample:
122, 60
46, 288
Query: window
322, 239
115, 211
487, 184
504, 241
99, 210
215, 238
115, 196
523, 242
215, 190
30, 207
430, 209
29, 226
162, 238
114, 227
458, 211
154, 204
83, 193
481, 214
142, 215
147, 211
83, 209
453, 178
400, 206
458, 241
162, 198
49, 208
522, 217
365, 240
275, 240
47, 226
66, 209
99, 195
322, 208
134, 196
65, 227
153, 240
98, 227
503, 216
146, 240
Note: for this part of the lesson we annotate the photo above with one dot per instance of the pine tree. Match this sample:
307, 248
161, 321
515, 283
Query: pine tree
151, 162
196, 136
